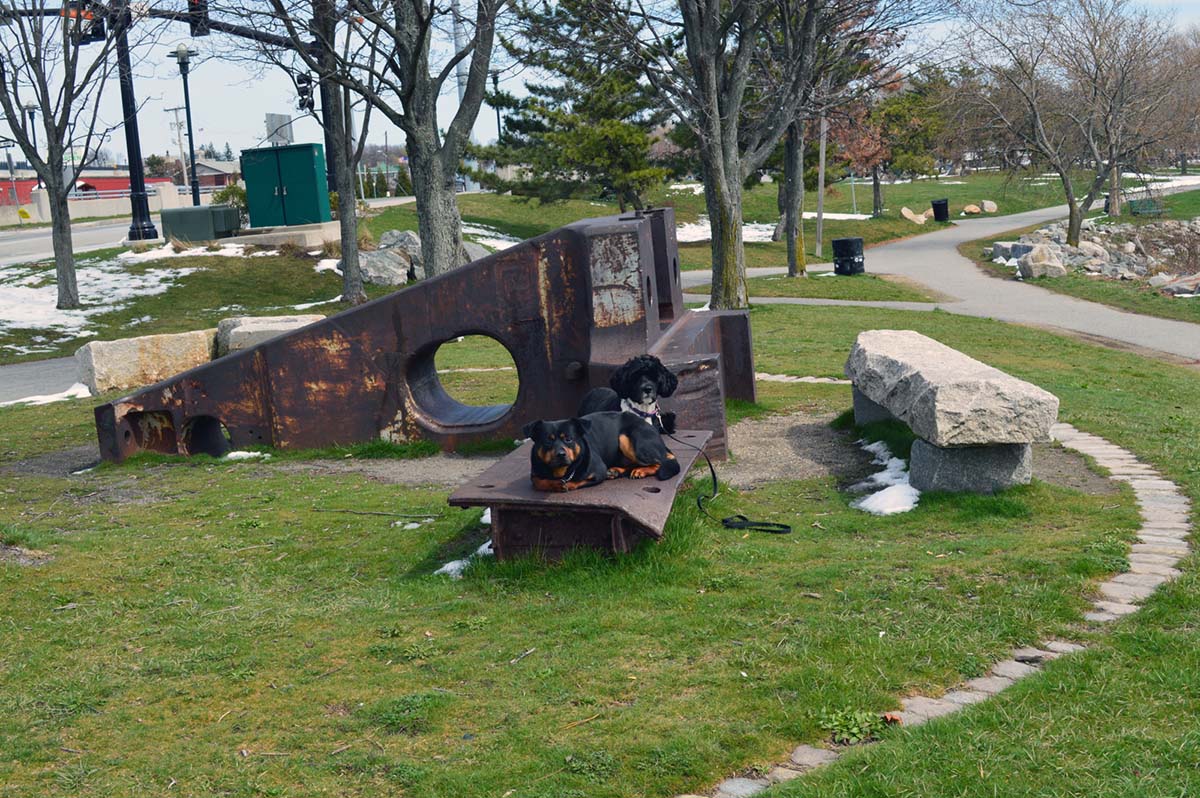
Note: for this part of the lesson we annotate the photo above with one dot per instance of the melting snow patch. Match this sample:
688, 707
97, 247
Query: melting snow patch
308, 305
454, 569
486, 520
329, 265
490, 237
695, 188
897, 495
76, 391
239, 455
27, 301
752, 232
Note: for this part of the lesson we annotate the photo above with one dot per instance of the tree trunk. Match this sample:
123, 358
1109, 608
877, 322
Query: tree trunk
60, 236
345, 167
876, 192
1114, 192
781, 204
723, 200
821, 186
793, 164
1183, 163
438, 220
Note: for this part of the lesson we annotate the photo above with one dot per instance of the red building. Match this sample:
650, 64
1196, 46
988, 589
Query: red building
25, 186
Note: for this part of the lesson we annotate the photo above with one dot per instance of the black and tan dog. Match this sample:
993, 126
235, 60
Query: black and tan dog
579, 452
636, 388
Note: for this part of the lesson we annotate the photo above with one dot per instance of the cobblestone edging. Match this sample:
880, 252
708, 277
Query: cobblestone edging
1162, 543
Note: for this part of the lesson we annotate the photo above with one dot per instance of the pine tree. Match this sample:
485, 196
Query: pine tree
404, 186
381, 183
227, 155
589, 133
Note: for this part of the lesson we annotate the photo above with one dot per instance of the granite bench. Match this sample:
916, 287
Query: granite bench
974, 423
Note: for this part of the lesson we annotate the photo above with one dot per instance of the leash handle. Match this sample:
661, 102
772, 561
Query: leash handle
734, 521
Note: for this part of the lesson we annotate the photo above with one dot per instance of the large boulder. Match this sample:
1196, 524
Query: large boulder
145, 360
405, 241
1041, 261
915, 218
475, 251
972, 210
385, 266
946, 397
989, 206
242, 332
1093, 250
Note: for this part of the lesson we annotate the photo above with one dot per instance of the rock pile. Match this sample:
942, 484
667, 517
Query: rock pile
1164, 254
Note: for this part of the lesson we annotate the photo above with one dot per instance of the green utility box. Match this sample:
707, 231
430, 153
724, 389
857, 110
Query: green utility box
286, 185
203, 223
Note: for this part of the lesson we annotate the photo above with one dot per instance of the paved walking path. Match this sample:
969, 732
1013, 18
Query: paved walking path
36, 378
933, 259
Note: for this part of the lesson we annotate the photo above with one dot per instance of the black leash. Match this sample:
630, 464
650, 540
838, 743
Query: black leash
734, 521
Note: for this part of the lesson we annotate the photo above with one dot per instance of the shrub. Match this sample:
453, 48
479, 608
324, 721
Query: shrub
234, 194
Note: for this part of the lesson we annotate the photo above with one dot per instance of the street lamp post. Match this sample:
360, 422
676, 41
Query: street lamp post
31, 109
141, 228
183, 56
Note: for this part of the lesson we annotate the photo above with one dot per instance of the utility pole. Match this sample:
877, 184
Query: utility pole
821, 184
178, 126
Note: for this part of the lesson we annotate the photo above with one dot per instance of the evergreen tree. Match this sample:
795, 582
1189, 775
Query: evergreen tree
588, 133
381, 183
404, 186
227, 155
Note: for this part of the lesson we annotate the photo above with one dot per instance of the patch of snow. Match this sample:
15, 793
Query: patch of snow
486, 520
454, 569
695, 188
892, 491
167, 251
27, 301
490, 237
241, 455
752, 232
83, 471
307, 305
328, 265
789, 378
76, 391
264, 253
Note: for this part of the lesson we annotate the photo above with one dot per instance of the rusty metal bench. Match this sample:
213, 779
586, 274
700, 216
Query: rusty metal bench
612, 517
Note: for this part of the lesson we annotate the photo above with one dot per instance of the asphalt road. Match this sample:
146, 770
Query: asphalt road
24, 246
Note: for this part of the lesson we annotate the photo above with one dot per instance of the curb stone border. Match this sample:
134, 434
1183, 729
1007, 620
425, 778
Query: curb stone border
1162, 543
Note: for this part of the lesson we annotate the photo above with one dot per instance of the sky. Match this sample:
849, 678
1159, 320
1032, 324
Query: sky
229, 100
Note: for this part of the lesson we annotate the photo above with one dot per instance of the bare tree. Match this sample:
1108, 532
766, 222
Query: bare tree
1082, 84
56, 63
395, 65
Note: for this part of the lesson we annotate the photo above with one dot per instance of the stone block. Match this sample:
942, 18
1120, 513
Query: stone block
970, 469
866, 411
1041, 261
137, 362
946, 397
1011, 669
809, 756
740, 788
385, 267
242, 332
989, 206
989, 685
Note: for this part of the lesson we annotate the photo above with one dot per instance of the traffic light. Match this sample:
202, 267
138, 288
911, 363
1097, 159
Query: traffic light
198, 17
84, 21
304, 88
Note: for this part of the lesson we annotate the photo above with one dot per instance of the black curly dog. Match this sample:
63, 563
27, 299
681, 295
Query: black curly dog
636, 388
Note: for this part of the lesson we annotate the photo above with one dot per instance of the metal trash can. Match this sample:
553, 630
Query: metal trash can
848, 256
941, 210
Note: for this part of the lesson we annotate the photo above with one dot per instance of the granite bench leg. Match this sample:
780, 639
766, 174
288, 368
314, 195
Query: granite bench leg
974, 469
867, 411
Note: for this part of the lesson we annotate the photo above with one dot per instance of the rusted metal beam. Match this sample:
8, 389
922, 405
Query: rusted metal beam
569, 306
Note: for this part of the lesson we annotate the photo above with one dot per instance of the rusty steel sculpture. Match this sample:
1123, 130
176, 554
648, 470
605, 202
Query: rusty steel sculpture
569, 306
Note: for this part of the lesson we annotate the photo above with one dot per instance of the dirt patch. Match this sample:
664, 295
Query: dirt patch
20, 556
793, 446
441, 469
1067, 469
802, 446
55, 464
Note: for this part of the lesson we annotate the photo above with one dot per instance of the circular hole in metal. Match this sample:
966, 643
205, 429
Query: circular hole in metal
462, 382
205, 435
652, 489
128, 434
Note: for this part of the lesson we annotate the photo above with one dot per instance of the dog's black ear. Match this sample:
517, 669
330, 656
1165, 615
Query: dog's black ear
582, 426
533, 429
667, 381
622, 377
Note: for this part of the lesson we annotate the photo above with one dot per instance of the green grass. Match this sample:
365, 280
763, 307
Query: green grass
309, 653
1132, 296
220, 287
862, 287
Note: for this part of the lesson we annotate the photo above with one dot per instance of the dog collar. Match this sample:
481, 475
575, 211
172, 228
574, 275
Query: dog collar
630, 407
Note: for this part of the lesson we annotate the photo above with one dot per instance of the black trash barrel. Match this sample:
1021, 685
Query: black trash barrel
941, 210
848, 256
